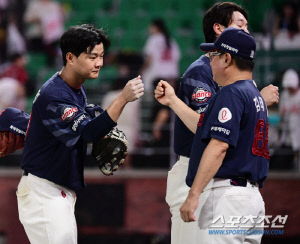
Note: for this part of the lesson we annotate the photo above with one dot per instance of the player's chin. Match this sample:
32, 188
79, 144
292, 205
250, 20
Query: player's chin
93, 75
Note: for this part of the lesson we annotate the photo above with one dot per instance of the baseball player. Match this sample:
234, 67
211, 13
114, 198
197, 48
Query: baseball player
196, 90
231, 144
57, 136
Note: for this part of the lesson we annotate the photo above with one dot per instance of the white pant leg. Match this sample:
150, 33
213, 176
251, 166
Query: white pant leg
229, 201
177, 192
46, 211
225, 200
260, 210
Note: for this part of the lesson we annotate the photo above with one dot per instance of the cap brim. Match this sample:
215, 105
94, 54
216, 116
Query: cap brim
208, 47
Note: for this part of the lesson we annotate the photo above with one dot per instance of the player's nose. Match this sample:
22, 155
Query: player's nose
99, 62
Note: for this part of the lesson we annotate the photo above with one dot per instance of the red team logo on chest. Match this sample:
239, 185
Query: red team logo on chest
68, 113
201, 95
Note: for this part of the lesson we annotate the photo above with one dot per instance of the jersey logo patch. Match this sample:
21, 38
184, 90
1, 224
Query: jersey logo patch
68, 113
201, 95
224, 115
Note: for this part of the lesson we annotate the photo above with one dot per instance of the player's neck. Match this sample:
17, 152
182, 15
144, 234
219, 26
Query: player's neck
71, 78
235, 76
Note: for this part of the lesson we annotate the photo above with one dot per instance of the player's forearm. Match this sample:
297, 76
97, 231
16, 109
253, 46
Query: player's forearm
210, 163
188, 116
98, 127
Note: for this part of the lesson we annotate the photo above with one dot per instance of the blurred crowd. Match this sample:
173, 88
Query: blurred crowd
28, 27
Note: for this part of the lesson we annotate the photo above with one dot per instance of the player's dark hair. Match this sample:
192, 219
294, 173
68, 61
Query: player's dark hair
219, 13
82, 38
160, 24
242, 63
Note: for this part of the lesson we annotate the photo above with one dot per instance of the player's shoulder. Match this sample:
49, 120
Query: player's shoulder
54, 89
241, 88
56, 83
200, 67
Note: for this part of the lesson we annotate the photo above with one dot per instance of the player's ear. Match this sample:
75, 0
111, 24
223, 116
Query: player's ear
227, 59
218, 28
70, 58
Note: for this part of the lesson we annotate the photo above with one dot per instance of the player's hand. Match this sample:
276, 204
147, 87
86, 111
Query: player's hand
10, 142
188, 208
164, 93
270, 94
133, 90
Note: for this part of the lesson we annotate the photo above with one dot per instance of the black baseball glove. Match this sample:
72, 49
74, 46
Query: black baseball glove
110, 151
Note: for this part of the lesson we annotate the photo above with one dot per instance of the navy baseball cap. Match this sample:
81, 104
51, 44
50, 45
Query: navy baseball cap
14, 120
234, 41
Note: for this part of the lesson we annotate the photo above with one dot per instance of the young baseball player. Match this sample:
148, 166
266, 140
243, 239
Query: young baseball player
57, 136
230, 155
196, 90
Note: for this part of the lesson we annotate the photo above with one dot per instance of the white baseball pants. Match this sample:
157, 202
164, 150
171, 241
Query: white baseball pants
219, 198
46, 211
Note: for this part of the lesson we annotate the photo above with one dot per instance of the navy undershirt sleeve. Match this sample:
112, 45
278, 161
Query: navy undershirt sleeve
98, 127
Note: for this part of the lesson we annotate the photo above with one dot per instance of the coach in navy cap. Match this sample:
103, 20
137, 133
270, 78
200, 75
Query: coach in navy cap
235, 48
234, 41
228, 163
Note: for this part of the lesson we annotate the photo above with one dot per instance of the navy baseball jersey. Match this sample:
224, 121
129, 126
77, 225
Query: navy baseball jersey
14, 120
196, 90
55, 145
238, 116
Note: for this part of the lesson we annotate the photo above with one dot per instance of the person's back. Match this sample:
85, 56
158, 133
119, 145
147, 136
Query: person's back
38, 15
196, 89
165, 59
240, 99
162, 55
